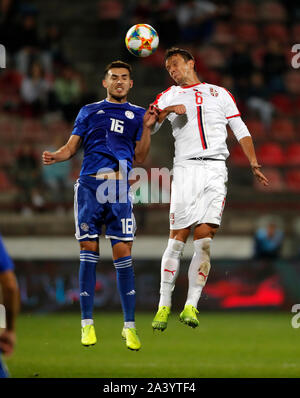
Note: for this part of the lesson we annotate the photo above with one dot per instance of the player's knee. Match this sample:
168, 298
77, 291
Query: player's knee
205, 231
89, 245
175, 247
121, 249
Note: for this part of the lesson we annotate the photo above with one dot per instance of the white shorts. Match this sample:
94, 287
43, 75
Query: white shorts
198, 193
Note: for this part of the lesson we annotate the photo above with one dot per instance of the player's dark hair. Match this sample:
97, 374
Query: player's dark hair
118, 64
186, 55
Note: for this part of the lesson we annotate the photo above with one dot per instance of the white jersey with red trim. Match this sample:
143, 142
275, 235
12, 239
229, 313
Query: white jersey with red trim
201, 132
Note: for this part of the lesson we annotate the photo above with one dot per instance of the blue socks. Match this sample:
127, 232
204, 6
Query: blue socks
126, 287
87, 282
125, 284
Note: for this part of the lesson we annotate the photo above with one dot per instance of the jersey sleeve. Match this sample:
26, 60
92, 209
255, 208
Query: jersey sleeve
161, 100
80, 125
6, 263
230, 107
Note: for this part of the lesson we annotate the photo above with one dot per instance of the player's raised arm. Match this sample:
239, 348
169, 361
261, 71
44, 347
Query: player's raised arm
143, 146
64, 153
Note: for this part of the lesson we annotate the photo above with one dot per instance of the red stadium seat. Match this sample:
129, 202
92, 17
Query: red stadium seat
257, 129
31, 129
276, 181
276, 31
237, 156
293, 180
283, 130
6, 156
296, 33
245, 11
222, 33
272, 11
292, 155
270, 154
5, 184
8, 131
247, 33
283, 104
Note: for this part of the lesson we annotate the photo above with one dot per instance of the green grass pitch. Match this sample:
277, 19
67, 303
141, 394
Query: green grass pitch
224, 345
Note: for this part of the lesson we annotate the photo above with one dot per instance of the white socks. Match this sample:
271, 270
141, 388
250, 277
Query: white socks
198, 270
170, 264
85, 322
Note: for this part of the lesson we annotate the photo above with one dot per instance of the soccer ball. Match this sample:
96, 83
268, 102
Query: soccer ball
141, 40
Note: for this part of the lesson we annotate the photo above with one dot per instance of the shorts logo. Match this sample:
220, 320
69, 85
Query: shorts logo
214, 92
84, 226
129, 114
172, 218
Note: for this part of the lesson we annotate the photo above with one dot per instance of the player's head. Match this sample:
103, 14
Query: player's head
180, 64
117, 80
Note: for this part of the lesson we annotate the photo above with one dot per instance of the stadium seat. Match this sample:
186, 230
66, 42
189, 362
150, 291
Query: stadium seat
292, 178
292, 155
222, 33
276, 181
257, 129
283, 104
272, 11
237, 156
276, 31
283, 130
5, 184
6, 156
245, 11
31, 129
247, 33
8, 131
270, 154
296, 33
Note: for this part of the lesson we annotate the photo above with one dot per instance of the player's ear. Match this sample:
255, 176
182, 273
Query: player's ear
131, 83
104, 84
191, 63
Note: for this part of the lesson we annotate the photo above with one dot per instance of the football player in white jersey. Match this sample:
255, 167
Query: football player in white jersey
198, 113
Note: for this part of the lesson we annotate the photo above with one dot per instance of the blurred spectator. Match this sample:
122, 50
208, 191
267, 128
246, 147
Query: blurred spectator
29, 43
34, 91
9, 12
166, 22
268, 242
67, 91
259, 98
110, 12
195, 19
240, 64
274, 65
52, 47
27, 177
57, 178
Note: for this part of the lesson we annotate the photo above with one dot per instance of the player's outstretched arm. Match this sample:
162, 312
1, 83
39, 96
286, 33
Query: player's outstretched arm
11, 303
64, 153
142, 147
248, 148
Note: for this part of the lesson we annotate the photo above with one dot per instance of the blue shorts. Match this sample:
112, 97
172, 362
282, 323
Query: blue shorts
103, 202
